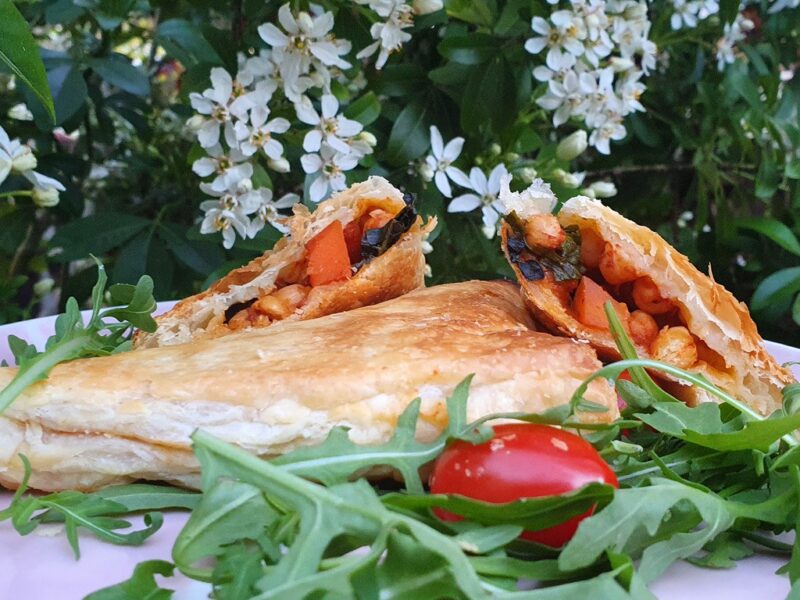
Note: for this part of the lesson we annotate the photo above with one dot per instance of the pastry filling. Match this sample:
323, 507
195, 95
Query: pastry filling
332, 257
584, 272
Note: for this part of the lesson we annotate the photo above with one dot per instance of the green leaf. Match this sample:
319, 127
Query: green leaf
365, 110
739, 80
19, 52
217, 522
472, 49
202, 257
728, 9
69, 90
141, 586
410, 138
776, 291
184, 41
532, 514
774, 230
644, 509
118, 71
723, 552
486, 539
75, 339
477, 12
146, 496
337, 458
95, 234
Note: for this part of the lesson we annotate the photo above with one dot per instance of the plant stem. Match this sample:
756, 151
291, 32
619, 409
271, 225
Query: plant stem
15, 193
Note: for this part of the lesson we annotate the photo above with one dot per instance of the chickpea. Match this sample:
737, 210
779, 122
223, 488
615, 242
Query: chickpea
647, 297
544, 232
292, 295
614, 268
240, 320
643, 328
272, 306
592, 246
676, 346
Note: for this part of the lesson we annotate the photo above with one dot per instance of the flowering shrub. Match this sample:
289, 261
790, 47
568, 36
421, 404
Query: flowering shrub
183, 134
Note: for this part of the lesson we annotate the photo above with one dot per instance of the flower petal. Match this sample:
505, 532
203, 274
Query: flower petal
464, 203
312, 140
437, 146
441, 182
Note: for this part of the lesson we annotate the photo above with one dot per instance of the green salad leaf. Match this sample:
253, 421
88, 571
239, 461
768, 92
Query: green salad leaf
107, 331
141, 586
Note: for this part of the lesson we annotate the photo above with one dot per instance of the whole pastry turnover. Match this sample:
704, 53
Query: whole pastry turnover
360, 247
129, 416
571, 264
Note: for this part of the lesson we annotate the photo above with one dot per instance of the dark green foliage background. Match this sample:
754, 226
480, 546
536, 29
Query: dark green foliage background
721, 145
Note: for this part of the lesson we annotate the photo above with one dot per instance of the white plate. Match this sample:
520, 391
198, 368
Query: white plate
43, 565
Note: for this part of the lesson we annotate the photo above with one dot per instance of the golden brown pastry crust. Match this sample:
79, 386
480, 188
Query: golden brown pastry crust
114, 419
709, 311
397, 271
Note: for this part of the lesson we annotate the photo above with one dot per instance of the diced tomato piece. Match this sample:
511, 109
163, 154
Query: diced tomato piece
352, 238
328, 258
588, 304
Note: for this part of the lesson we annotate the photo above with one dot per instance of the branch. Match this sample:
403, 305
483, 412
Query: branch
661, 168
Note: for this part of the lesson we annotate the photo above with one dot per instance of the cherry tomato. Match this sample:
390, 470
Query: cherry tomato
521, 461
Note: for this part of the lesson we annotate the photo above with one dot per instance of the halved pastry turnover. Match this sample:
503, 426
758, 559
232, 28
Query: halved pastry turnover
571, 264
362, 246
129, 416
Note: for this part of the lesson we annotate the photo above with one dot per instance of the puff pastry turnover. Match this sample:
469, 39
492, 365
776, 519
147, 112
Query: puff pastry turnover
276, 286
672, 311
129, 416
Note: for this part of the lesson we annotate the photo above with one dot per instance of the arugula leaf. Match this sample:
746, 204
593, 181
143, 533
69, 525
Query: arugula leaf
76, 509
723, 552
530, 513
75, 339
141, 586
648, 508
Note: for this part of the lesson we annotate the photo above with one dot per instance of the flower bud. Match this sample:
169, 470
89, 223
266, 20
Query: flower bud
195, 123
527, 174
495, 149
588, 192
20, 112
572, 180
572, 146
45, 197
603, 189
424, 7
367, 137
425, 171
243, 186
511, 157
619, 64
43, 286
24, 161
636, 12
279, 165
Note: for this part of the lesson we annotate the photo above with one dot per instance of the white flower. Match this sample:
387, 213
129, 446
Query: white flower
610, 129
732, 34
306, 42
227, 167
486, 196
228, 213
440, 161
267, 211
329, 166
253, 69
328, 127
389, 36
603, 189
256, 102
782, 4
567, 98
685, 14
213, 103
565, 35
45, 189
571, 180
572, 146
630, 89
259, 136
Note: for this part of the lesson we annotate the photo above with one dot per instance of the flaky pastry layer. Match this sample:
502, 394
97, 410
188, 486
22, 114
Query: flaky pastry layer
115, 419
399, 270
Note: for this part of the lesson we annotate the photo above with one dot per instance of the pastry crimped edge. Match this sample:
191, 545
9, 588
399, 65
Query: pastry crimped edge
115, 419
709, 311
397, 271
